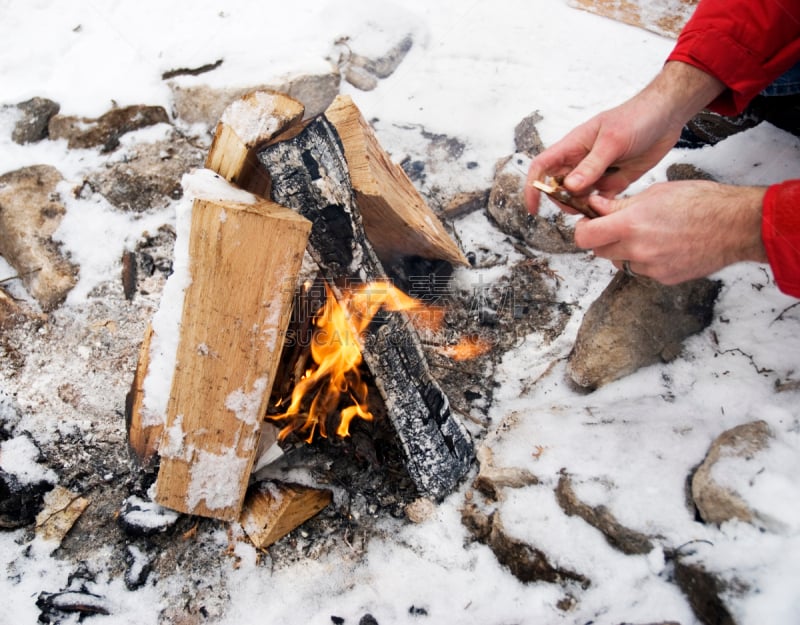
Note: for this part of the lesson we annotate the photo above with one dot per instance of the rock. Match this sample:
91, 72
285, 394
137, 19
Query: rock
687, 171
363, 72
420, 510
507, 208
105, 131
637, 322
12, 312
704, 590
526, 136
718, 503
617, 535
20, 502
527, 563
360, 78
368, 619
56, 607
465, 203
138, 568
149, 177
140, 517
30, 212
491, 479
36, 114
202, 104
23, 482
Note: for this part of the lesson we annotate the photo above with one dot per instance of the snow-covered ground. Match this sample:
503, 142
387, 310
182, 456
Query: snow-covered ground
475, 70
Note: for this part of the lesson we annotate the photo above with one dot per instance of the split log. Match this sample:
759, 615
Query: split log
244, 260
396, 218
272, 510
309, 174
246, 124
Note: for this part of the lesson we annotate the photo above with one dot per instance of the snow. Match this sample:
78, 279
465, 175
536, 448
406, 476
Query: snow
474, 71
19, 456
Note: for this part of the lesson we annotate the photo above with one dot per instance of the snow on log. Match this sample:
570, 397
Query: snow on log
243, 261
246, 124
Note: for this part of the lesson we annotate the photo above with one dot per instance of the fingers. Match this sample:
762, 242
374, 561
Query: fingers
602, 235
551, 162
592, 168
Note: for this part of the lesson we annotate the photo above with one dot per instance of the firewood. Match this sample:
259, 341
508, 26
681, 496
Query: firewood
142, 437
309, 174
243, 260
273, 509
396, 218
61, 509
246, 124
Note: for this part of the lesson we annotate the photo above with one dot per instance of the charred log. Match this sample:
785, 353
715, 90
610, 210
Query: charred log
309, 174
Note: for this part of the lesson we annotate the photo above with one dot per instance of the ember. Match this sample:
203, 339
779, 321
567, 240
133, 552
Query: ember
336, 349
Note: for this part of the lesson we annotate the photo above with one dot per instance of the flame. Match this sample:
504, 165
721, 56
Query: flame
336, 349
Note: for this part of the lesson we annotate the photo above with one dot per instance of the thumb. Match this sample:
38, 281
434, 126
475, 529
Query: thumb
580, 180
605, 206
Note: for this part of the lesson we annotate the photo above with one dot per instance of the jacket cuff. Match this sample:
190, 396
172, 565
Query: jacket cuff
780, 232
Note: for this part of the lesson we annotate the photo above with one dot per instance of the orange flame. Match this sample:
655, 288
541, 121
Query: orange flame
336, 349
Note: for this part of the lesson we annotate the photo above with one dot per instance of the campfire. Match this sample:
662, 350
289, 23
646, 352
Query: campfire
336, 350
322, 186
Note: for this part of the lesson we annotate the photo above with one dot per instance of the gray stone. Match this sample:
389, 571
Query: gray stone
36, 114
30, 212
527, 563
507, 207
364, 72
526, 135
204, 105
492, 480
105, 131
149, 177
687, 171
637, 322
704, 591
360, 78
624, 539
716, 503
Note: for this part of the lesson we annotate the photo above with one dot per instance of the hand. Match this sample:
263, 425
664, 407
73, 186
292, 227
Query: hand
586, 153
632, 137
677, 231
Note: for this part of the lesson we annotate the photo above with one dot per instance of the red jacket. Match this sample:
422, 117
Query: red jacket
747, 44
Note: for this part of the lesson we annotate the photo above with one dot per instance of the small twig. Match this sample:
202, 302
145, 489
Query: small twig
19, 276
191, 71
737, 350
466, 415
783, 312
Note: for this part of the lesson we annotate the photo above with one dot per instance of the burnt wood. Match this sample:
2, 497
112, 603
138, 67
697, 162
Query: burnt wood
309, 174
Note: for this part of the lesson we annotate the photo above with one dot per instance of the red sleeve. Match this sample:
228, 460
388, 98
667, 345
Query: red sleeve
780, 231
746, 44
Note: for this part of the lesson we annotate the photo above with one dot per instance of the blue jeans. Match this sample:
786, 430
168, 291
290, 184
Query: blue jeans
786, 84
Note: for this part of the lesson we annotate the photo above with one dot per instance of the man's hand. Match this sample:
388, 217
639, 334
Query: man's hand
677, 231
632, 137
